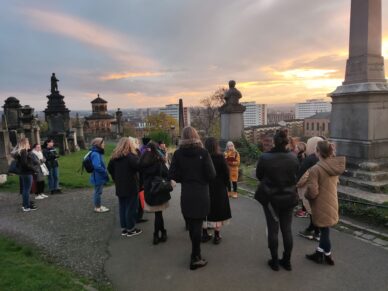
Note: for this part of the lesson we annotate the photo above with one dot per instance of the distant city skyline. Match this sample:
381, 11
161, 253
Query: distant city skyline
139, 54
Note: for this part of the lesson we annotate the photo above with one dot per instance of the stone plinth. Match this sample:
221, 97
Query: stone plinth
232, 126
5, 157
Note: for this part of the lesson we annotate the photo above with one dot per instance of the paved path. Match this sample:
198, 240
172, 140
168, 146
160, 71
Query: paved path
239, 262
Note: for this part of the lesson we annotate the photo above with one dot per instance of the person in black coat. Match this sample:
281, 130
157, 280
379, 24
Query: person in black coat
219, 201
153, 164
277, 170
123, 168
192, 167
51, 156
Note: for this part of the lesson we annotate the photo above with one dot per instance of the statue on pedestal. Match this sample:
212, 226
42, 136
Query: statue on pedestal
232, 97
54, 83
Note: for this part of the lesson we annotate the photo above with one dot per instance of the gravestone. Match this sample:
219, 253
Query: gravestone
232, 120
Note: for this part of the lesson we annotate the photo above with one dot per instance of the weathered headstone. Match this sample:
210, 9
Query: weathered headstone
232, 120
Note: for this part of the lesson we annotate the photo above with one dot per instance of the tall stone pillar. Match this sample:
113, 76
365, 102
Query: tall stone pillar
181, 119
359, 116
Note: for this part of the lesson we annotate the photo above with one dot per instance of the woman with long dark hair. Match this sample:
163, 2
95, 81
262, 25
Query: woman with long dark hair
277, 170
220, 213
192, 167
153, 164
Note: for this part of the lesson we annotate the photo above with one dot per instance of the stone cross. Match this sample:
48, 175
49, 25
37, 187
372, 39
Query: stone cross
365, 63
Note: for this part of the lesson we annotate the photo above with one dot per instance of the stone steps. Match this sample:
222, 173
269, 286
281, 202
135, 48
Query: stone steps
367, 175
369, 186
360, 195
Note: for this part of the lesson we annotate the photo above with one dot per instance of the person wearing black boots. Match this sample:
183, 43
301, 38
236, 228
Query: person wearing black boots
220, 213
192, 167
277, 170
152, 164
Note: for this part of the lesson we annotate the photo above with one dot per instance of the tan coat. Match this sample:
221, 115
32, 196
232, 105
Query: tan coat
233, 161
322, 190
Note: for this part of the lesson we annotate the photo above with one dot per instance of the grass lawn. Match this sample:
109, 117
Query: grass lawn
22, 268
69, 172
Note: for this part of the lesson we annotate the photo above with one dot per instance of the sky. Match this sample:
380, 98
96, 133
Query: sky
143, 53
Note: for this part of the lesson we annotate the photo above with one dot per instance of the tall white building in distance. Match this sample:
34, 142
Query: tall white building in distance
173, 110
311, 107
255, 114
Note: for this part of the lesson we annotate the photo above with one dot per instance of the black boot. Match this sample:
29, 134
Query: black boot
197, 262
329, 260
274, 262
316, 257
205, 236
285, 262
163, 237
217, 237
156, 238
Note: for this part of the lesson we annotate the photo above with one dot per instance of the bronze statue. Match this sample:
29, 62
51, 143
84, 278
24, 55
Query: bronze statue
54, 83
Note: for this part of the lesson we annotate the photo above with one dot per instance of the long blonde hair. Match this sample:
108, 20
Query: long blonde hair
123, 148
23, 144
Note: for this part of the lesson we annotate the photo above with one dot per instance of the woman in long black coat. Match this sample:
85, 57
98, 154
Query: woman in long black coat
219, 201
192, 167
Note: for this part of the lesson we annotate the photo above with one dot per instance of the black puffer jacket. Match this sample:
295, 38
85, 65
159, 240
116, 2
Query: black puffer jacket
51, 156
277, 171
192, 167
124, 172
24, 159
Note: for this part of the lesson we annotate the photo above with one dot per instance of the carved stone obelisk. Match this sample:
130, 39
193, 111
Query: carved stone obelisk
359, 116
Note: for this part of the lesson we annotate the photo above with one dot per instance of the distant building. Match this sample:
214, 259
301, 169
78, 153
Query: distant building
100, 122
276, 117
173, 110
317, 125
255, 114
311, 107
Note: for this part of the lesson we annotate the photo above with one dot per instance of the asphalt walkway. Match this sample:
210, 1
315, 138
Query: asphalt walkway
240, 261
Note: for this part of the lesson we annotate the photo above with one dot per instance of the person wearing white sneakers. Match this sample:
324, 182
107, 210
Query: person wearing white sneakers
99, 177
40, 170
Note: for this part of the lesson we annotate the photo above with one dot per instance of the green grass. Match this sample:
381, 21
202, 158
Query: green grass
22, 268
70, 176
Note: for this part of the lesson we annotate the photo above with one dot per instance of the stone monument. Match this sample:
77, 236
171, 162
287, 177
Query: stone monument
232, 120
79, 126
29, 124
5, 148
181, 119
57, 117
12, 116
359, 115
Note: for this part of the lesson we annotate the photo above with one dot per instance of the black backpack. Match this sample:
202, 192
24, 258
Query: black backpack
87, 163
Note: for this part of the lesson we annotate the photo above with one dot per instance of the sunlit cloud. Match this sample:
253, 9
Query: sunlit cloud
306, 73
128, 75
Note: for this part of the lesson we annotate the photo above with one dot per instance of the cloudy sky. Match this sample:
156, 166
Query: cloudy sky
147, 53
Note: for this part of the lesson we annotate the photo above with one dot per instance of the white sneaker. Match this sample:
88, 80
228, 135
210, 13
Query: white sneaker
44, 195
26, 209
39, 197
101, 209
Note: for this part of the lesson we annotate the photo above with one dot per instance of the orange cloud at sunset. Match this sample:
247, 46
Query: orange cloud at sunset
127, 75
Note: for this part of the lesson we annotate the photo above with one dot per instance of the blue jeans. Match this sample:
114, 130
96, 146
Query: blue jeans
324, 242
97, 195
53, 181
26, 182
128, 207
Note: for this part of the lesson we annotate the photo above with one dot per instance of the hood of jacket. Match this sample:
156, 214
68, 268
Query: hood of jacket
191, 151
334, 166
97, 149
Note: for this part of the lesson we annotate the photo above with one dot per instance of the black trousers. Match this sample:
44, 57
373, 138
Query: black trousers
312, 227
284, 221
195, 231
159, 222
234, 187
39, 187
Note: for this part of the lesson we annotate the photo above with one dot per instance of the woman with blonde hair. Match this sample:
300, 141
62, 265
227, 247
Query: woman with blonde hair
192, 167
123, 168
26, 169
99, 177
232, 157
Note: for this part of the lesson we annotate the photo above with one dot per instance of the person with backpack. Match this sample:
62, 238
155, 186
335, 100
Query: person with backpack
51, 156
99, 176
124, 170
277, 170
26, 170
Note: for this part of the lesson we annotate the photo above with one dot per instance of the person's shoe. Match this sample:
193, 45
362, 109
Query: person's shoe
206, 237
316, 257
329, 260
101, 209
124, 232
317, 236
134, 232
217, 240
141, 220
197, 263
301, 214
52, 192
156, 239
39, 197
163, 237
44, 195
234, 195
26, 209
58, 191
274, 264
286, 264
306, 234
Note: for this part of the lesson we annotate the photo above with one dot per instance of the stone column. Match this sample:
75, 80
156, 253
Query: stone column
360, 112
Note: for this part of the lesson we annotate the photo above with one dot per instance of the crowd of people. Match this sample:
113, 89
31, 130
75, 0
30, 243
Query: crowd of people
145, 175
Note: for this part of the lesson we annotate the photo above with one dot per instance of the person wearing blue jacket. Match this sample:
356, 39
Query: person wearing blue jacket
99, 177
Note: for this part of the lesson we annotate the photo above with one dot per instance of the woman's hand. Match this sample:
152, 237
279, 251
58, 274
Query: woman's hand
173, 183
